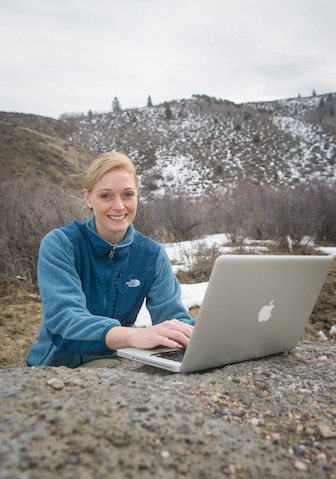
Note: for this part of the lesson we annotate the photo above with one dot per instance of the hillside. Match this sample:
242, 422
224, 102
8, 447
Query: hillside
38, 148
194, 145
282, 142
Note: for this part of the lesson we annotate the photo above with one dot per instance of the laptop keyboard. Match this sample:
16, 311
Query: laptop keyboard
174, 355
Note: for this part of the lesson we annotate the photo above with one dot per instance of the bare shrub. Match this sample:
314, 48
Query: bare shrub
232, 212
146, 220
180, 217
286, 215
31, 209
239, 213
171, 218
324, 200
204, 262
298, 212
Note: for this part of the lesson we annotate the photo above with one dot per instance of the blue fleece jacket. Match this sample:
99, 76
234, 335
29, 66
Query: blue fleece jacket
88, 286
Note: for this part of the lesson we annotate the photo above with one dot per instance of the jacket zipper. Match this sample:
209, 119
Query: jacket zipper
116, 298
108, 277
111, 255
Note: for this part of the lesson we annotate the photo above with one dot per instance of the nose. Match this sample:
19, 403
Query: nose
118, 203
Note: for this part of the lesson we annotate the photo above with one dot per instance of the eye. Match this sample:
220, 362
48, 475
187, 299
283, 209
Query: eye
104, 196
129, 194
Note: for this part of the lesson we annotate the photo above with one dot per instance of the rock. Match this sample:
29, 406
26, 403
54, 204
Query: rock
301, 466
322, 457
299, 449
320, 360
275, 436
56, 383
306, 415
135, 421
325, 431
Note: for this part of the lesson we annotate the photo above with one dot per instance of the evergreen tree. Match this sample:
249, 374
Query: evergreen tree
168, 112
116, 105
149, 101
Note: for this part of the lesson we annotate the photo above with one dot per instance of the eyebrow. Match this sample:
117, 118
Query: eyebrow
128, 188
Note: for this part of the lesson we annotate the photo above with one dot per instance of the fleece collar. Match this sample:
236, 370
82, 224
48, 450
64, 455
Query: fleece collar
102, 246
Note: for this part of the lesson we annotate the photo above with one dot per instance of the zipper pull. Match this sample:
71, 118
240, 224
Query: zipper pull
111, 255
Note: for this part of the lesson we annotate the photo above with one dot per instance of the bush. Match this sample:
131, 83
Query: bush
171, 218
31, 211
268, 213
198, 260
323, 198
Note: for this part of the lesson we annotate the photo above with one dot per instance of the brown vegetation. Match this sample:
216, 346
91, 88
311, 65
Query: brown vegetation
285, 216
20, 321
32, 210
38, 150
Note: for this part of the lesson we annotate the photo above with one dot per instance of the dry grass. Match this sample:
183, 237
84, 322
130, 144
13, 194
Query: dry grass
20, 321
34, 147
323, 316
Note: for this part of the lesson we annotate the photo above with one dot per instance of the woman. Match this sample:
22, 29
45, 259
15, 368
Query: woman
94, 276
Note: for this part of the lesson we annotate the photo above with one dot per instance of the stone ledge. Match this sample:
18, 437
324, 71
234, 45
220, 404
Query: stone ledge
271, 417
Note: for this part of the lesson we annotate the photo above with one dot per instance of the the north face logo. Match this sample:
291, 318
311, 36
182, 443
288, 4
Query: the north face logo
133, 283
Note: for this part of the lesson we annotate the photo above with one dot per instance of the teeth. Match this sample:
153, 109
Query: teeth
117, 217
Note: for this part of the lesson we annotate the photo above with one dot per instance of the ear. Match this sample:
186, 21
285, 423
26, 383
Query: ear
87, 198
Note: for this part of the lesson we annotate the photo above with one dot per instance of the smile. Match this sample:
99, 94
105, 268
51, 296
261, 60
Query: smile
117, 218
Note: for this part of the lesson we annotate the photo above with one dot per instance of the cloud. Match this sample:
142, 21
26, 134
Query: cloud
77, 55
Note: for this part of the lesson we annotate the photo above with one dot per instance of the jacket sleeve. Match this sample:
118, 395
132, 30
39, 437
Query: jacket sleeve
164, 297
70, 326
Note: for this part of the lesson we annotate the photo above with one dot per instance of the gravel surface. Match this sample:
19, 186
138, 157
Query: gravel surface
268, 418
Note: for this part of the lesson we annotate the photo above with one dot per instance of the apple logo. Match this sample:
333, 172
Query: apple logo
266, 311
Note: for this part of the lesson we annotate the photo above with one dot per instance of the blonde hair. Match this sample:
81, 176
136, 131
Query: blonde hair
106, 162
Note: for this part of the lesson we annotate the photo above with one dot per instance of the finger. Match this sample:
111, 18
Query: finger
169, 343
178, 337
185, 328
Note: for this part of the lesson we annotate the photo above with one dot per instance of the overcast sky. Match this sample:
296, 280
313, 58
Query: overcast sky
61, 56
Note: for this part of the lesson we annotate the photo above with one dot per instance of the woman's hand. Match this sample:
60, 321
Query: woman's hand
171, 334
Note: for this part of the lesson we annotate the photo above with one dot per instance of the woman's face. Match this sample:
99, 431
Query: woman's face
114, 203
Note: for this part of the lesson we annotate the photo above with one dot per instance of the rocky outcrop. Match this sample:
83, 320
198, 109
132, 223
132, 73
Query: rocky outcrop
272, 417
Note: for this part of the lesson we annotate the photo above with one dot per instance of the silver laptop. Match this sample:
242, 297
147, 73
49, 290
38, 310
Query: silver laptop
254, 306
